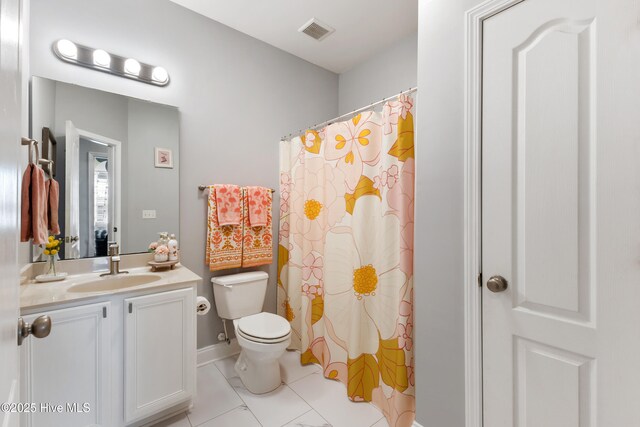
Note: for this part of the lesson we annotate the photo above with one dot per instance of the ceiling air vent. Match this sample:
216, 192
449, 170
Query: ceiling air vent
316, 30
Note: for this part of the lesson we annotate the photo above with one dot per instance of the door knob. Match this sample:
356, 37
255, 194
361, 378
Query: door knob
497, 284
40, 328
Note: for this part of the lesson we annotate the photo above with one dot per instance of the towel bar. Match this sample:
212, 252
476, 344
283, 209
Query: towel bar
204, 187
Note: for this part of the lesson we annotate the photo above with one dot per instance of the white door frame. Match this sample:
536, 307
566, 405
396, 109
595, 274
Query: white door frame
473, 205
117, 173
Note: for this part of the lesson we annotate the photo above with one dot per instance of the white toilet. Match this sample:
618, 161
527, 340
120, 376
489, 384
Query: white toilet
263, 337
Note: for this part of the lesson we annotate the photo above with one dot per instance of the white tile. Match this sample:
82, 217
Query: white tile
215, 395
292, 370
330, 399
239, 417
177, 421
310, 419
382, 423
275, 408
227, 366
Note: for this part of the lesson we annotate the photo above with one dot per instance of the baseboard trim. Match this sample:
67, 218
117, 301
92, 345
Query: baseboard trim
416, 424
217, 351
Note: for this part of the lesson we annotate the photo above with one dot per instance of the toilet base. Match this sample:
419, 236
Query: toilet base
258, 374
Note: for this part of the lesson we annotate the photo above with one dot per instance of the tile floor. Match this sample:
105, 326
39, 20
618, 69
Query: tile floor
306, 399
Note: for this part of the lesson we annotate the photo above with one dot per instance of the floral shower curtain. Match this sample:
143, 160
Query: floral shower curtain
345, 259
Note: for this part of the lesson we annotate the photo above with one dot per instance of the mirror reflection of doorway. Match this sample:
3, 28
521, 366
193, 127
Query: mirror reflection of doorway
98, 203
92, 192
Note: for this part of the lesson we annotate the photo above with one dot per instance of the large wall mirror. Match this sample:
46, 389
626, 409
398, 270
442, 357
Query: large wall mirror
116, 160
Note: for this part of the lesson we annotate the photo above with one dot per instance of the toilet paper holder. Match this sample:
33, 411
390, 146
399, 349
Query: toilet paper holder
202, 306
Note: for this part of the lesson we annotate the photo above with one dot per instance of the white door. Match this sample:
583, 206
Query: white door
561, 214
160, 352
72, 192
10, 119
70, 367
112, 227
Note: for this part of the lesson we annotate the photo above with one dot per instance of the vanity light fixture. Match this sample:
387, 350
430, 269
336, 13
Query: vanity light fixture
101, 60
160, 75
131, 66
67, 49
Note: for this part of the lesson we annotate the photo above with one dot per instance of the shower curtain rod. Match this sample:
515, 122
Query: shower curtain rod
359, 110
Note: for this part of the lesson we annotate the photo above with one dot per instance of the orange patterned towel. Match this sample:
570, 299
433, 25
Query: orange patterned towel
224, 242
257, 247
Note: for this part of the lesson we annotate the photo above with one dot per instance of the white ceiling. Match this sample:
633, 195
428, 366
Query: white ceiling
363, 27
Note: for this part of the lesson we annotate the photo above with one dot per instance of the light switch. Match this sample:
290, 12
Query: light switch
148, 214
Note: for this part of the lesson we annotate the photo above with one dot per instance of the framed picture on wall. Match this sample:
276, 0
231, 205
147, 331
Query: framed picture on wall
163, 158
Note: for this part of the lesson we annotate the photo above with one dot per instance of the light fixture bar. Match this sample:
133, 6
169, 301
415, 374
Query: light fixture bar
106, 62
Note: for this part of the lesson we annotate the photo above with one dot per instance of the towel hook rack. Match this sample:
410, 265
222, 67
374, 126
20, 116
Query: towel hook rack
33, 144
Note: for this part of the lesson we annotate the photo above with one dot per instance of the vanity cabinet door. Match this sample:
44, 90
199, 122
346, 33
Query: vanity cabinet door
70, 367
160, 352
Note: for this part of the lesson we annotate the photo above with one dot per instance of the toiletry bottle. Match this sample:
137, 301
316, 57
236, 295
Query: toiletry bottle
164, 238
173, 248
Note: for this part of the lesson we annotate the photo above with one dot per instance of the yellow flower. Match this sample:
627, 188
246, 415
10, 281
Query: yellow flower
56, 242
48, 245
50, 238
53, 252
46, 252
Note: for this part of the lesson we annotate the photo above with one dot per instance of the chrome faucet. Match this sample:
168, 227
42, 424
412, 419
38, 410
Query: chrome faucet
114, 260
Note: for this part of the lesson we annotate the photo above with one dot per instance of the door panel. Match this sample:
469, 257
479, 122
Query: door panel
538, 366
539, 175
72, 191
59, 371
560, 204
159, 367
553, 175
10, 119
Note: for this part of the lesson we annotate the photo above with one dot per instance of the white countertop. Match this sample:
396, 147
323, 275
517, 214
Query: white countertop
35, 295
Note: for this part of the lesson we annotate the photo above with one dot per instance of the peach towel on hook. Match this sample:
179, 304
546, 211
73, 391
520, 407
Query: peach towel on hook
53, 194
228, 204
33, 215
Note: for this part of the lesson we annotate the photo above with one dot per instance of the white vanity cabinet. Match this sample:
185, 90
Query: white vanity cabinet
160, 352
71, 366
131, 356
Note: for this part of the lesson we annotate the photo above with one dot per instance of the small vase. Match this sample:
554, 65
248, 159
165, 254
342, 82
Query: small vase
161, 257
52, 265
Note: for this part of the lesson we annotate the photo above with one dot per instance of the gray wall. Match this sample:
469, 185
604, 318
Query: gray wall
151, 125
385, 74
43, 113
236, 95
439, 257
92, 110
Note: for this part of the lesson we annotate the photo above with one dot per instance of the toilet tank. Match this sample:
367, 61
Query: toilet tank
240, 295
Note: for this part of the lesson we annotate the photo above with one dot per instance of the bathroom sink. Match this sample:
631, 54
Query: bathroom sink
111, 283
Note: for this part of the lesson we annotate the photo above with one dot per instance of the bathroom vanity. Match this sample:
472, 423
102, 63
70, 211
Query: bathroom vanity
122, 349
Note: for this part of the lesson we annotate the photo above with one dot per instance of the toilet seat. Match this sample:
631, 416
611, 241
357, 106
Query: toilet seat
264, 328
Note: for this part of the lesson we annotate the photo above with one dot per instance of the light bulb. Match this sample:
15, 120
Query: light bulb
131, 66
67, 48
160, 75
101, 58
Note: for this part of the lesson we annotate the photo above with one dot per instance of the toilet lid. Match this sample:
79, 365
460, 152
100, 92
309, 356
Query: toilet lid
265, 326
